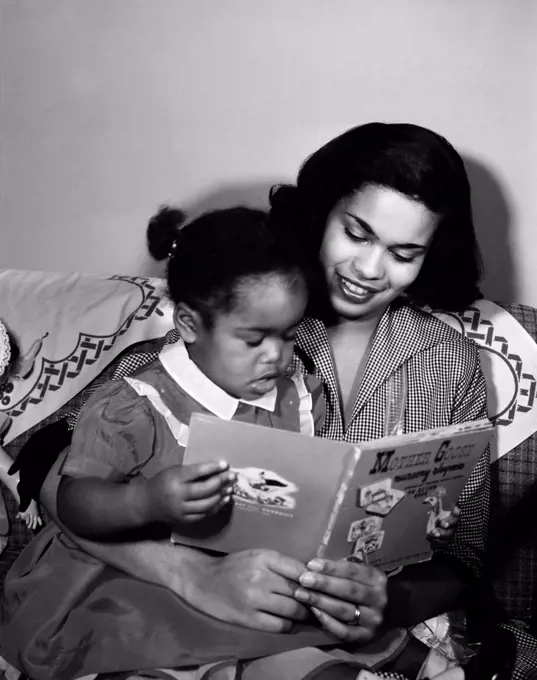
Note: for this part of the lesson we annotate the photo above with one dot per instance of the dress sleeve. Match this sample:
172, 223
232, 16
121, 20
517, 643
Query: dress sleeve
468, 544
114, 436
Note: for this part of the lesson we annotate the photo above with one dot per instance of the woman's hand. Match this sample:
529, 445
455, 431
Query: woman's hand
347, 598
441, 536
253, 588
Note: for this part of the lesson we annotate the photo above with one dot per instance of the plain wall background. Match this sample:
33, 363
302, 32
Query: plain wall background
111, 107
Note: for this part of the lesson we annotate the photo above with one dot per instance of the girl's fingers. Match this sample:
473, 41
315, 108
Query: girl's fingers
221, 484
205, 505
199, 471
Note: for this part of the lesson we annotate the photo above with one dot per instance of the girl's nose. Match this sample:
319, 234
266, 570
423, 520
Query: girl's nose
273, 351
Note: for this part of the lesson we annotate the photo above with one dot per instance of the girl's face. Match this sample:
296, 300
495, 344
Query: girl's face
373, 249
248, 348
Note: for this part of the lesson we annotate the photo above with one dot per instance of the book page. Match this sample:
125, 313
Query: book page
285, 492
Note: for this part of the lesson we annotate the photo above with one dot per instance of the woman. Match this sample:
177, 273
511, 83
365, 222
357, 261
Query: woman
385, 210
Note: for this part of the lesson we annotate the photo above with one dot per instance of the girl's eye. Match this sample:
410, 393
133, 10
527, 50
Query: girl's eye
254, 343
357, 238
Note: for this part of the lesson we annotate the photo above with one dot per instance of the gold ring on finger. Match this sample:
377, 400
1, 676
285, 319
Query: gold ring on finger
356, 618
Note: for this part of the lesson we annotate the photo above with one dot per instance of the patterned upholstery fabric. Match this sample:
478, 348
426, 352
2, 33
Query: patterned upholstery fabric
19, 535
512, 551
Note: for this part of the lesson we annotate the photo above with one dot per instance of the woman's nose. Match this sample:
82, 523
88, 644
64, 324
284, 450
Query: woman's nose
370, 263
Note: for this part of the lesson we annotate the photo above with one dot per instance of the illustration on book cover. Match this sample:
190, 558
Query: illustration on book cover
436, 511
264, 487
379, 500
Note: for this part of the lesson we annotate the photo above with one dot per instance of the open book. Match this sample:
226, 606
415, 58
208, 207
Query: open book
307, 496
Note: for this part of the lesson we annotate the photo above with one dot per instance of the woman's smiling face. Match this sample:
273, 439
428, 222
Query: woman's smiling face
373, 248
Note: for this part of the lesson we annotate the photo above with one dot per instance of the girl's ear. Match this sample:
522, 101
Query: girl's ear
187, 322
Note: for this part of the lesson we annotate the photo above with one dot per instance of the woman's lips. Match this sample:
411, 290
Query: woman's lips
355, 292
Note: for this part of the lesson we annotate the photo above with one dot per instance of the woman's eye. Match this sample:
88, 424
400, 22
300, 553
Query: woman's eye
403, 258
358, 238
254, 343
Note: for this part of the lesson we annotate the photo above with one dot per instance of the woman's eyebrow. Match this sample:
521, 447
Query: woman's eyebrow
369, 229
365, 225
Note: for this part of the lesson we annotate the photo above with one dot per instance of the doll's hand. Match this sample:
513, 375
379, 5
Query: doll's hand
31, 516
440, 537
188, 493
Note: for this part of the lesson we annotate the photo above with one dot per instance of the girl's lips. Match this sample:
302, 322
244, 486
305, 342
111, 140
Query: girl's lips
268, 377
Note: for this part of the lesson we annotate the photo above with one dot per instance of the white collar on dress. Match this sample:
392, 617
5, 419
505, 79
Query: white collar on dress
188, 376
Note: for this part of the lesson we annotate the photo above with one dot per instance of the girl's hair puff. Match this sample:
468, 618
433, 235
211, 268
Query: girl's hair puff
212, 258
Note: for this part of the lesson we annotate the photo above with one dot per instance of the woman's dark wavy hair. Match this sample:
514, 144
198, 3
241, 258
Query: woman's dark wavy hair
211, 258
415, 162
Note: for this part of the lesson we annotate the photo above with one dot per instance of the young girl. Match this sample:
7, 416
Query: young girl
28, 510
240, 293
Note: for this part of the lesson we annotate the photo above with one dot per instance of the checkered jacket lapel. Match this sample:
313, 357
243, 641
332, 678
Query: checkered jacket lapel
392, 347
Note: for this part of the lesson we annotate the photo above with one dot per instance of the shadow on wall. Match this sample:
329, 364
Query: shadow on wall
492, 222
251, 194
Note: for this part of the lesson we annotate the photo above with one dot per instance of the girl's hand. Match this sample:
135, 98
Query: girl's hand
31, 516
440, 537
347, 598
253, 588
188, 493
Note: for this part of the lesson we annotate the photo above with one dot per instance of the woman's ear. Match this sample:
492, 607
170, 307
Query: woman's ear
187, 322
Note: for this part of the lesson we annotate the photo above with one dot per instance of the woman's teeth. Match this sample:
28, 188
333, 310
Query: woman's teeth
355, 290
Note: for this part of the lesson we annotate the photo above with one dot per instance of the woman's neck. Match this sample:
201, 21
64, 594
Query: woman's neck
350, 343
363, 327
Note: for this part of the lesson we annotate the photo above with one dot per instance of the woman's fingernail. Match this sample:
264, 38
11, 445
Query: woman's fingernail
307, 579
317, 612
302, 595
316, 565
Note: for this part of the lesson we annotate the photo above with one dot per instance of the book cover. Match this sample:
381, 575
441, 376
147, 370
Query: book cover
399, 489
287, 486
306, 496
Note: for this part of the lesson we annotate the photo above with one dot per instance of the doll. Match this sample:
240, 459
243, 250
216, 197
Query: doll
30, 512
